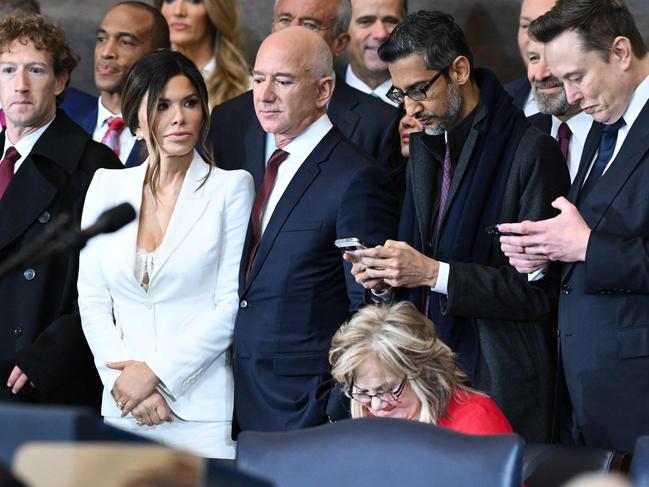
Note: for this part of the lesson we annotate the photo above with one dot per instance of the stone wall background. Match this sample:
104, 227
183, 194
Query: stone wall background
490, 26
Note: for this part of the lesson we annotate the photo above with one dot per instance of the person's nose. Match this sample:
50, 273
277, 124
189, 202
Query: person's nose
179, 8
109, 49
21, 81
379, 31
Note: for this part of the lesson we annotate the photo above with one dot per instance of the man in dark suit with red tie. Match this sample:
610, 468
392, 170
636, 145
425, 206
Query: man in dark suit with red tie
294, 289
601, 235
47, 166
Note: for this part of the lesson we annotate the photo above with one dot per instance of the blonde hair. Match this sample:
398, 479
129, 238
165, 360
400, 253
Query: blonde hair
403, 341
232, 74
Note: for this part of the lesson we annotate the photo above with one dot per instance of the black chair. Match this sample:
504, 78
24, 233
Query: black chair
548, 465
640, 465
381, 451
21, 423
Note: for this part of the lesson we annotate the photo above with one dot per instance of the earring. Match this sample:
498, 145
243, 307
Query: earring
139, 137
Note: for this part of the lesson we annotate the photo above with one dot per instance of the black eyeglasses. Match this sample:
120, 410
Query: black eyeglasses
416, 94
385, 396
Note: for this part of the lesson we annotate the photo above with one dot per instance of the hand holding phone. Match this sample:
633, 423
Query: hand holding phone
493, 230
349, 244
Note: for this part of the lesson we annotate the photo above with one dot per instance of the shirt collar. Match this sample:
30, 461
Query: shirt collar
25, 145
103, 113
637, 102
579, 125
355, 82
302, 145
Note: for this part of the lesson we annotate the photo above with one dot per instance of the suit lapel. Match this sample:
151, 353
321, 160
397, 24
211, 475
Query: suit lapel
341, 108
423, 172
303, 178
255, 152
89, 122
189, 208
134, 158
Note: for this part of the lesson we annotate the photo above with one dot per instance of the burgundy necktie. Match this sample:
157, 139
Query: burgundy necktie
111, 137
563, 136
261, 198
7, 168
3, 119
446, 184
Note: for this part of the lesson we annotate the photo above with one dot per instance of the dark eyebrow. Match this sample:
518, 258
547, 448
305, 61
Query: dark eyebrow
120, 35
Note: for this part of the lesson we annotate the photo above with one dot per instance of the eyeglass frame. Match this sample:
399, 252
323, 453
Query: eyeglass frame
395, 394
399, 96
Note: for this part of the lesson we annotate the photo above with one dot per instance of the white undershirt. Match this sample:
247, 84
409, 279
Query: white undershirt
530, 108
380, 91
579, 125
298, 150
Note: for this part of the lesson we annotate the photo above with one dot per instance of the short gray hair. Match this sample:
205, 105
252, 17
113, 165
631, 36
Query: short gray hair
343, 17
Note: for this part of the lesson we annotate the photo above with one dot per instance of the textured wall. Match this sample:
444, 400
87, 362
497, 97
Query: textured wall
490, 26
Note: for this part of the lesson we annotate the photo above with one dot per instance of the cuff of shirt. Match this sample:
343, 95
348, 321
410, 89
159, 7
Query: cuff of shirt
441, 285
537, 275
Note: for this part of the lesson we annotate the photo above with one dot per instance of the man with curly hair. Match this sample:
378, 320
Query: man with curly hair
48, 162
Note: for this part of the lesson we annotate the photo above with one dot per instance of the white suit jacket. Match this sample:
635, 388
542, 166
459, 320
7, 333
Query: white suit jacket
182, 327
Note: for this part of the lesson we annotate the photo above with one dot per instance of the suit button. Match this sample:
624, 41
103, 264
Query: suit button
29, 274
565, 288
558, 333
45, 217
18, 331
628, 291
243, 304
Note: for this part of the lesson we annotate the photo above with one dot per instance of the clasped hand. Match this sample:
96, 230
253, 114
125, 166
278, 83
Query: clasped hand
562, 238
395, 264
135, 384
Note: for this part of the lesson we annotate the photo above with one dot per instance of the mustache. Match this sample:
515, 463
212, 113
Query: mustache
549, 82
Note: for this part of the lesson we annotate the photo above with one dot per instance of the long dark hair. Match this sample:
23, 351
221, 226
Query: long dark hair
147, 78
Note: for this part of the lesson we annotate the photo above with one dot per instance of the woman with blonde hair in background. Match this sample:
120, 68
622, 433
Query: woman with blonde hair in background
208, 33
390, 362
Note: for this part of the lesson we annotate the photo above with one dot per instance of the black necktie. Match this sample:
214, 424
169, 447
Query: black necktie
604, 154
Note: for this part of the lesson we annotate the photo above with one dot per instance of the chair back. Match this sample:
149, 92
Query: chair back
381, 451
640, 465
550, 465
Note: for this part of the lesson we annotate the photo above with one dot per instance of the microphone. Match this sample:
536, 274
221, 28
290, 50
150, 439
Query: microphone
108, 222
55, 239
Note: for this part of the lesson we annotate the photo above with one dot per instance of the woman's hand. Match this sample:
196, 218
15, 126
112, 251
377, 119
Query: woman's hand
136, 382
153, 410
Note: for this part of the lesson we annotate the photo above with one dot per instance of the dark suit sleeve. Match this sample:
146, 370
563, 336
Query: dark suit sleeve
367, 211
498, 291
617, 263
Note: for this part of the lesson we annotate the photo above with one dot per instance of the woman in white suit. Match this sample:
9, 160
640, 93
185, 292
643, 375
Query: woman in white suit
158, 298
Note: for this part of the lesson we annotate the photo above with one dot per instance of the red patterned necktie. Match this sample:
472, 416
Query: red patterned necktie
563, 137
7, 168
111, 137
3, 119
261, 198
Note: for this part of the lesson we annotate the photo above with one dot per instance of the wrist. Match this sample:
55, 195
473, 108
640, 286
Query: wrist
432, 272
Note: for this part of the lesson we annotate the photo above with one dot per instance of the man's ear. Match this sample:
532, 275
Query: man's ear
621, 52
325, 88
340, 43
460, 70
60, 82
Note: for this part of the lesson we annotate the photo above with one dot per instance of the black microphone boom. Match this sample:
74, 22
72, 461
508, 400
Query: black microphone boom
56, 239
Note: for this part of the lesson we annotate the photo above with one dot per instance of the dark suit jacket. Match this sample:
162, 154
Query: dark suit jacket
604, 307
299, 291
82, 109
519, 89
515, 319
363, 119
40, 323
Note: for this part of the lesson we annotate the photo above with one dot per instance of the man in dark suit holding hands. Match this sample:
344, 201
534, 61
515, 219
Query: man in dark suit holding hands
601, 235
294, 290
47, 166
477, 162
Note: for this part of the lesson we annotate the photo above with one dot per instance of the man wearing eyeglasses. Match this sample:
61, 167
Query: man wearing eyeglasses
477, 162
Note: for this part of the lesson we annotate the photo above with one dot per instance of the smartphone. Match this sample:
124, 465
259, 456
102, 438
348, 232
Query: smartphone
493, 230
349, 243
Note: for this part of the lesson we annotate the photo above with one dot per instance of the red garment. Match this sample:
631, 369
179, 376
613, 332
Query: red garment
474, 414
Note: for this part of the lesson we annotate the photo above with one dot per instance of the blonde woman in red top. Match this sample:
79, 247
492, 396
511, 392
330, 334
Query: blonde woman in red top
390, 362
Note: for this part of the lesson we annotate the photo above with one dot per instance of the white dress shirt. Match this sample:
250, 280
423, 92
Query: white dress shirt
637, 102
298, 150
25, 145
380, 91
579, 126
530, 108
126, 138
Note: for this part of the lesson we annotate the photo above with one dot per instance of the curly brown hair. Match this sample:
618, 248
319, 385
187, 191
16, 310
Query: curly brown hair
45, 35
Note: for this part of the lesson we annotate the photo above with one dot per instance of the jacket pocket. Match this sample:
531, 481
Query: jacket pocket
633, 342
301, 363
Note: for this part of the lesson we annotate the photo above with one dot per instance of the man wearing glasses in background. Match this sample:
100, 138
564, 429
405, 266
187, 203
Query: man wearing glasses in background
477, 163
